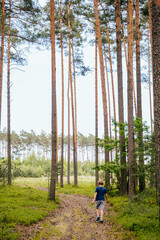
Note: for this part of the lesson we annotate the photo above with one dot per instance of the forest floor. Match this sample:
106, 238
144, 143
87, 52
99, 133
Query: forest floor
74, 220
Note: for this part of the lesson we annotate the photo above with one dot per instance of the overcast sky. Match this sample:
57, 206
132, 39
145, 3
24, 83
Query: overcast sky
31, 95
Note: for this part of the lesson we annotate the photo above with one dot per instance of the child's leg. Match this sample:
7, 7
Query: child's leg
97, 211
101, 214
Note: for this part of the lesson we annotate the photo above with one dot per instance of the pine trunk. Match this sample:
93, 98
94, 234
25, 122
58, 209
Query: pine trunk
113, 94
149, 74
54, 112
9, 100
109, 102
75, 102
96, 113
125, 50
72, 103
98, 30
123, 181
62, 71
1, 56
130, 100
156, 84
139, 98
68, 174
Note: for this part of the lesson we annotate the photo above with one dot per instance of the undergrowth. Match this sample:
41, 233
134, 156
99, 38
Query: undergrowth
22, 205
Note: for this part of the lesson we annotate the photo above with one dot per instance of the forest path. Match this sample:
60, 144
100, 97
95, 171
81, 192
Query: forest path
74, 220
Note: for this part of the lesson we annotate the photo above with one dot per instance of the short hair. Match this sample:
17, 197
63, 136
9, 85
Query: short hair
100, 182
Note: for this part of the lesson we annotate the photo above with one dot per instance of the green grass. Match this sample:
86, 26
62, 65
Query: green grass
140, 215
22, 205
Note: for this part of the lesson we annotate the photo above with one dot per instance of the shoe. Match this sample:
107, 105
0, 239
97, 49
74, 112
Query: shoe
97, 219
101, 221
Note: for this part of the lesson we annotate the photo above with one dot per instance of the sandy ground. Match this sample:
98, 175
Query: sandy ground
74, 220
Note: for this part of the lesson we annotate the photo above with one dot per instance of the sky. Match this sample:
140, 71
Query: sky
31, 94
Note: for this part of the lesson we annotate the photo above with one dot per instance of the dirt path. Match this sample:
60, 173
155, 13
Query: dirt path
74, 220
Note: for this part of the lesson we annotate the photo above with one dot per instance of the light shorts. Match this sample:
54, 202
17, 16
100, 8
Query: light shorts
100, 204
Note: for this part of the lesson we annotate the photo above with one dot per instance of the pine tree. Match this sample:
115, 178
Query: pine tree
54, 117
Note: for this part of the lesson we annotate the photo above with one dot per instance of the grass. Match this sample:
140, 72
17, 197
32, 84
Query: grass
139, 216
22, 205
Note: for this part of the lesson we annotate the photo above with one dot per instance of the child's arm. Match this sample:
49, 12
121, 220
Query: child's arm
94, 197
106, 197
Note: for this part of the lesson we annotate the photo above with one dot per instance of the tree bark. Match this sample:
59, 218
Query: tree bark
139, 98
125, 50
130, 99
109, 102
72, 101
54, 112
68, 174
62, 71
149, 74
156, 84
96, 113
123, 183
75, 102
1, 56
9, 100
107, 180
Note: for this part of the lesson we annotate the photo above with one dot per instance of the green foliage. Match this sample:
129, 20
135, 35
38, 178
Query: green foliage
22, 205
139, 215
144, 148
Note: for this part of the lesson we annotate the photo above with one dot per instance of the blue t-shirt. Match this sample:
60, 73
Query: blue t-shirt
101, 191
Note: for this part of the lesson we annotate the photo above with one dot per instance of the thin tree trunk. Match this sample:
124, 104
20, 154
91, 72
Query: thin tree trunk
130, 99
62, 71
107, 180
54, 112
68, 175
1, 56
123, 180
111, 69
125, 50
139, 98
8, 99
75, 102
96, 113
109, 102
72, 102
150, 28
156, 84
149, 74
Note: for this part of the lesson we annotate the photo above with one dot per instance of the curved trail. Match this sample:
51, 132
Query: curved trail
73, 220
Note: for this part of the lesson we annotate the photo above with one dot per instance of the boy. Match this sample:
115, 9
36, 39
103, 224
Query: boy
99, 198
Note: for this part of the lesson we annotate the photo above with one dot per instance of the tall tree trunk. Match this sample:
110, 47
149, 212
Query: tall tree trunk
123, 183
125, 50
72, 102
149, 74
139, 98
54, 112
111, 69
62, 71
130, 99
109, 102
96, 113
68, 175
156, 84
75, 101
1, 56
9, 99
98, 30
